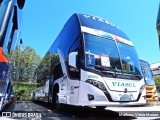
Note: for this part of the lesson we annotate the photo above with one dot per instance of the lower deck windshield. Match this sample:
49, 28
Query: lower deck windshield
103, 54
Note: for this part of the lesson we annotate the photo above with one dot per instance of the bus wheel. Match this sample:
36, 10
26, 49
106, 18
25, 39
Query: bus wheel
56, 103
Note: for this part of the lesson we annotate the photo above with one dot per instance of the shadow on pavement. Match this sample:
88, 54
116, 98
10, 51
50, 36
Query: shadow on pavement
83, 113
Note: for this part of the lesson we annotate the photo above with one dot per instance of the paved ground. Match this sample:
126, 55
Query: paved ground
79, 113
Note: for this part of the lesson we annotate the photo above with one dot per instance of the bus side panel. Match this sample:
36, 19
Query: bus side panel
63, 42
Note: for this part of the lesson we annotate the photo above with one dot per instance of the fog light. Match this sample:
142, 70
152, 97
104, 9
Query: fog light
90, 97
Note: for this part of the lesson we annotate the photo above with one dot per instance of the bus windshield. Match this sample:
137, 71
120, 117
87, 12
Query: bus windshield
130, 61
105, 54
148, 77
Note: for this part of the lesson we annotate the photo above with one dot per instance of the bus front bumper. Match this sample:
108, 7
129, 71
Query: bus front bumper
104, 103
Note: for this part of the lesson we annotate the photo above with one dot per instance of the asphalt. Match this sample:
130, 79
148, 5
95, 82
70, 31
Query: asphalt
153, 103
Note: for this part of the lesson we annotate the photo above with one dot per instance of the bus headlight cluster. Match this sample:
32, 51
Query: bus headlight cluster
97, 84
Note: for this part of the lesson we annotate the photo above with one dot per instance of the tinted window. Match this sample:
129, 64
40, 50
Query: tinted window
75, 46
74, 73
57, 71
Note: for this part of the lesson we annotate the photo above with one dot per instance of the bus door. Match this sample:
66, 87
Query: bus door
64, 80
73, 72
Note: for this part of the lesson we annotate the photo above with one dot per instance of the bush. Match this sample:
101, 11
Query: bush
23, 90
157, 81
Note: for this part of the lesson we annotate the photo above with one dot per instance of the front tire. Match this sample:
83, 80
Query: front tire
55, 102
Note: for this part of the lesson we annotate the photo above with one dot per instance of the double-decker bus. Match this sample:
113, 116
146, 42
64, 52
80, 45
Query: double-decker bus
151, 92
92, 63
10, 24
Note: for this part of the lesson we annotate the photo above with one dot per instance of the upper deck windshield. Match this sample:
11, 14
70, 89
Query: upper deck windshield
103, 54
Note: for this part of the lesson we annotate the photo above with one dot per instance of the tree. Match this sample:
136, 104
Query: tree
157, 80
42, 72
24, 63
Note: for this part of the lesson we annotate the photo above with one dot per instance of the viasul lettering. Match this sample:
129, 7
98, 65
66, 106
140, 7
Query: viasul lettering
123, 84
100, 19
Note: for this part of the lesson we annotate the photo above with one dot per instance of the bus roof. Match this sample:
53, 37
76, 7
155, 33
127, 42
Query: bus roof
100, 24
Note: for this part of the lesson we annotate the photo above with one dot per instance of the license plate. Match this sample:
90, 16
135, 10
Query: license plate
125, 97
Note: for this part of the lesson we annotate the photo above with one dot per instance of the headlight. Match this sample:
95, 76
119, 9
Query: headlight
97, 84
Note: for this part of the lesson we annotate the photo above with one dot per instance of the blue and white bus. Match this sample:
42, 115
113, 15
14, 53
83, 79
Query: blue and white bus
92, 63
10, 25
151, 92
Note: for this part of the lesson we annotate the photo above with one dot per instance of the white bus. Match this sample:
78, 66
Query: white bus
92, 63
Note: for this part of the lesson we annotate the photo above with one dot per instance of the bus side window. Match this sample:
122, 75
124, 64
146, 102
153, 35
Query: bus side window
74, 72
57, 71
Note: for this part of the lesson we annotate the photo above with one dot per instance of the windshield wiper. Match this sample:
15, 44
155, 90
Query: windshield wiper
107, 70
102, 67
110, 72
133, 74
136, 75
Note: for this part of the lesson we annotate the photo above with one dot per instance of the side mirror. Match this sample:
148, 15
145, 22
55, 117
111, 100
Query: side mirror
72, 59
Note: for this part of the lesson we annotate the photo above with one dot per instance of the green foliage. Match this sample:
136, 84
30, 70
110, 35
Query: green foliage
42, 72
24, 63
157, 80
23, 90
